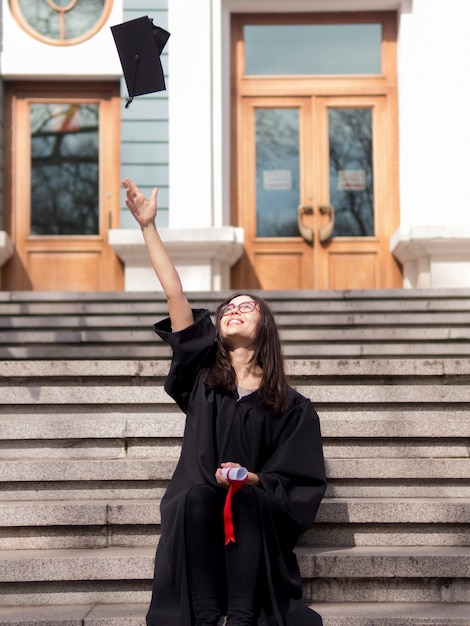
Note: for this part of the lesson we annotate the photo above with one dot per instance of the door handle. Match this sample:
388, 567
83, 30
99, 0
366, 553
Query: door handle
305, 231
325, 232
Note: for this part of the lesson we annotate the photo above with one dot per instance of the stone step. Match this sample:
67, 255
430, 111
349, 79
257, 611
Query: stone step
152, 489
357, 614
380, 511
308, 336
315, 562
158, 350
291, 300
318, 369
350, 534
341, 535
131, 394
74, 470
75, 615
88, 370
142, 512
394, 423
167, 443
366, 427
74, 592
395, 488
89, 434
385, 562
310, 318
386, 589
394, 614
135, 523
334, 614
371, 574
148, 448
17, 423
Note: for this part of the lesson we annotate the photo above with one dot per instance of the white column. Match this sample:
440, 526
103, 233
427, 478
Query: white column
432, 242
190, 106
434, 61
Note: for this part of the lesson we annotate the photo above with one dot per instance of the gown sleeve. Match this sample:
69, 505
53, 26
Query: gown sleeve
294, 474
193, 350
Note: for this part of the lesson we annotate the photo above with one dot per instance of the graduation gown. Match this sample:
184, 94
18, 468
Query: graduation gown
286, 453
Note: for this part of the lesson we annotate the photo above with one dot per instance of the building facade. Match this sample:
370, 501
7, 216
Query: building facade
300, 144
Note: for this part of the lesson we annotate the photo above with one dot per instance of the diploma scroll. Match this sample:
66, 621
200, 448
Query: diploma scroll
235, 473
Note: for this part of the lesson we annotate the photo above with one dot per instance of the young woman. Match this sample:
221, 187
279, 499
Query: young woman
226, 546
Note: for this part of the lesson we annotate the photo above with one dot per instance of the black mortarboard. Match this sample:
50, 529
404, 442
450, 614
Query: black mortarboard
139, 44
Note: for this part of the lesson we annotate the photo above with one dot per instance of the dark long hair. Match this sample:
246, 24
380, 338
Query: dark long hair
267, 354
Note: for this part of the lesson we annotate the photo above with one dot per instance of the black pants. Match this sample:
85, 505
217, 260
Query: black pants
218, 573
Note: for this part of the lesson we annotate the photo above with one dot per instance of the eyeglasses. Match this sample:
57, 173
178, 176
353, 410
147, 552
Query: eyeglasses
243, 307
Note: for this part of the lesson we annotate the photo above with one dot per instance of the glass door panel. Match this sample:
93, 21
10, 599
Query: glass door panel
351, 175
64, 169
277, 171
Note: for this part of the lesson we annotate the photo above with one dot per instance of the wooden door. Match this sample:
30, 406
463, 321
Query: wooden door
316, 182
63, 195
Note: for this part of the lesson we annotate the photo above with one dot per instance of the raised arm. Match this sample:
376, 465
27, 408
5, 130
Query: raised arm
145, 212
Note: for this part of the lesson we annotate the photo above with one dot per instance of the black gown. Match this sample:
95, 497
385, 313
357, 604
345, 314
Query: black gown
286, 453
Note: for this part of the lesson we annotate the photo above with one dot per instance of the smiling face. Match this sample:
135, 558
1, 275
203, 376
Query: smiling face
237, 324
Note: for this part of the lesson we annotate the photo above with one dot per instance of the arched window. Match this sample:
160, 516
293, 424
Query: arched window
61, 22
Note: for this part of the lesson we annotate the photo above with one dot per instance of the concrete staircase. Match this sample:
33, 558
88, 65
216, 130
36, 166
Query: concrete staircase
88, 441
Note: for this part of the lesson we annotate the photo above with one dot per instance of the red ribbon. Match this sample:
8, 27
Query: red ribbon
235, 485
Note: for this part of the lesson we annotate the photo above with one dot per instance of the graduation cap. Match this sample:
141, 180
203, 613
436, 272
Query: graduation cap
139, 44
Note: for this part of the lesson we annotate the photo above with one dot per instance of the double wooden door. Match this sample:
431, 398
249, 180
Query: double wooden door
316, 194
314, 150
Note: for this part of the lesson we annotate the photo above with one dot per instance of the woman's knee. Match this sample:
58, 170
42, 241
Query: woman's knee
202, 502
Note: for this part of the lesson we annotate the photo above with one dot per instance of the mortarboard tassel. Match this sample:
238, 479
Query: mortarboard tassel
130, 98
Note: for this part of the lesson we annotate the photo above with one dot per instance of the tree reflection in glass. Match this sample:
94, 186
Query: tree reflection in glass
64, 169
277, 172
351, 173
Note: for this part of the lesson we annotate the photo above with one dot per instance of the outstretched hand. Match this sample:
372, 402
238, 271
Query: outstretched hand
143, 209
